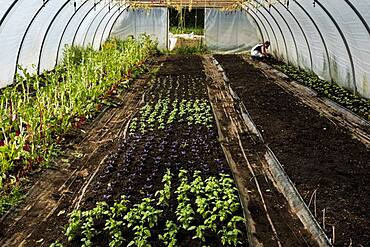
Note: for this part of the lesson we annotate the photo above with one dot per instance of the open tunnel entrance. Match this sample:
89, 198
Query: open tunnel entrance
216, 30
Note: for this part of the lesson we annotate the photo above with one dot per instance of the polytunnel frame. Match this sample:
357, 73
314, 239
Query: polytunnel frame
101, 21
49, 26
93, 20
28, 28
47, 32
327, 12
301, 28
277, 24
101, 40
255, 21
83, 19
110, 18
345, 43
363, 21
319, 32
247, 9
272, 30
290, 30
359, 15
7, 12
65, 29
25, 34
115, 21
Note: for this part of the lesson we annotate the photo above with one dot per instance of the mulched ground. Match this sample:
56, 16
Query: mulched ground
316, 154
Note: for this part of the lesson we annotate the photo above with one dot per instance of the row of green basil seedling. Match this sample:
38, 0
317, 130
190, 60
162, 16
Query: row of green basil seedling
165, 112
203, 206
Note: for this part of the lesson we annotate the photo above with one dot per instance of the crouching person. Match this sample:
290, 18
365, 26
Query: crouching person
259, 52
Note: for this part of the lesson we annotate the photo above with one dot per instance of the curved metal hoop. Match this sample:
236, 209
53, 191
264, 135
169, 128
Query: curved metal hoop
290, 31
7, 12
65, 29
92, 22
345, 43
83, 19
320, 34
105, 28
304, 34
25, 35
277, 24
255, 21
101, 21
272, 30
47, 32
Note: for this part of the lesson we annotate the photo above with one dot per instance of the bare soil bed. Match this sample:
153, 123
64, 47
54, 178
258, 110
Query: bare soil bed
318, 156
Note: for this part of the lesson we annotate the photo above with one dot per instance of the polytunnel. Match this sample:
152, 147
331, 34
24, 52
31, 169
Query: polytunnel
184, 123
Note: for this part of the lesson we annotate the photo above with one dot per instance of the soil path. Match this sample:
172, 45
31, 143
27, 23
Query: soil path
330, 168
60, 189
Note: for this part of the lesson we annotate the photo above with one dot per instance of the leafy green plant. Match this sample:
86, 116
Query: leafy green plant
169, 237
164, 112
229, 234
8, 200
184, 211
187, 30
114, 223
327, 89
56, 244
165, 194
218, 215
197, 49
39, 109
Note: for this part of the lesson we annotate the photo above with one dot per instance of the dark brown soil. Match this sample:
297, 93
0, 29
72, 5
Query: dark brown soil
136, 167
42, 215
316, 154
271, 220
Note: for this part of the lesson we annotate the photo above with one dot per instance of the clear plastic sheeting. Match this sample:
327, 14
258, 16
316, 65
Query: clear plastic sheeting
340, 67
47, 60
103, 23
328, 37
29, 50
11, 34
85, 27
300, 38
229, 31
72, 26
135, 22
331, 38
358, 38
33, 33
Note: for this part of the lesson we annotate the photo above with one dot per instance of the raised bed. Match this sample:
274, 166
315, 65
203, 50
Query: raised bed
329, 167
173, 133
